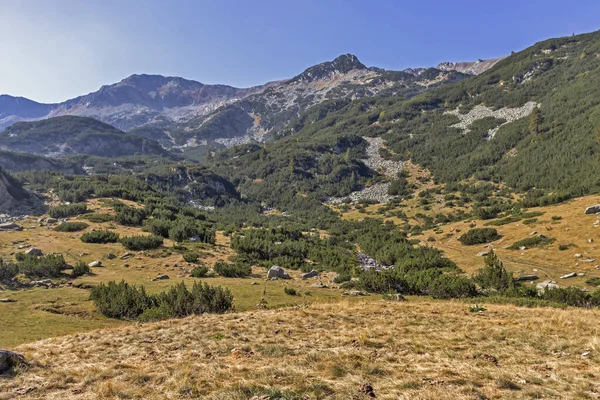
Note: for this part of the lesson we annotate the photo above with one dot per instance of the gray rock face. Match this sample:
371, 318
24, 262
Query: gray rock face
34, 251
9, 360
310, 274
278, 273
546, 285
593, 209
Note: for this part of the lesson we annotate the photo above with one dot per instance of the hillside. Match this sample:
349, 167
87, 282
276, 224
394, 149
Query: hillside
530, 122
416, 349
15, 200
75, 135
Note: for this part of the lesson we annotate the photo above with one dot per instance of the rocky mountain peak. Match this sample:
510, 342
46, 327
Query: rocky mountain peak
340, 65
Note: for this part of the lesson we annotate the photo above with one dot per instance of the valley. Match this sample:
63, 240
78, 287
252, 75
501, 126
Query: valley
348, 233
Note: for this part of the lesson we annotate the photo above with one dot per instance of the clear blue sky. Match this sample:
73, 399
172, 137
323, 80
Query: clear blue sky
54, 50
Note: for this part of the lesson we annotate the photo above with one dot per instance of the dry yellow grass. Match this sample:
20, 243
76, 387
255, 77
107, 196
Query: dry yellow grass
420, 349
548, 262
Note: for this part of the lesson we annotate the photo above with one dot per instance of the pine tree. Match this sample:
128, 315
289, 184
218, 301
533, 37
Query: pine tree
535, 120
493, 275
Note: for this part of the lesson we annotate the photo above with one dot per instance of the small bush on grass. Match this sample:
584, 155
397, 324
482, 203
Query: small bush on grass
593, 281
103, 236
81, 269
342, 277
67, 210
124, 301
291, 291
493, 276
479, 236
199, 272
232, 270
98, 217
452, 287
137, 243
191, 257
536, 241
71, 227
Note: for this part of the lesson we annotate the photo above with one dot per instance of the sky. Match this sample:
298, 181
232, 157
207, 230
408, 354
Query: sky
55, 50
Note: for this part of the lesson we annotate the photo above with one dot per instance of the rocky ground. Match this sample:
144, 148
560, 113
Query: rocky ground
389, 168
481, 111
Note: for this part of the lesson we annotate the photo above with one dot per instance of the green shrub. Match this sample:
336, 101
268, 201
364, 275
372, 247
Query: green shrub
479, 236
595, 281
535, 241
529, 221
7, 270
97, 217
563, 247
81, 269
129, 216
67, 210
342, 277
232, 270
199, 272
124, 301
452, 287
136, 243
291, 291
493, 276
47, 266
191, 257
556, 218
102, 236
71, 227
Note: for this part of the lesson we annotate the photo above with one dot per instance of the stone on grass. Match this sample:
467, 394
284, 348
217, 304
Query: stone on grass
278, 273
593, 209
570, 275
546, 285
310, 274
95, 264
161, 277
34, 251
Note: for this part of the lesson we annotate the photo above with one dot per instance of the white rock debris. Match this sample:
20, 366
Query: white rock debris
481, 111
378, 191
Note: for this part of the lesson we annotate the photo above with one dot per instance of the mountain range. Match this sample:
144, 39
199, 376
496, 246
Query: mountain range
183, 115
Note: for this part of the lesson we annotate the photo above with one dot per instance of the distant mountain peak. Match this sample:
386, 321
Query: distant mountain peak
342, 65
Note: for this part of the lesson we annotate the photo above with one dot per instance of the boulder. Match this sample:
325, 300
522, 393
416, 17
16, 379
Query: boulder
161, 277
95, 264
110, 256
593, 209
51, 220
278, 273
567, 276
10, 226
355, 293
319, 285
9, 360
310, 274
126, 256
588, 260
482, 254
7, 300
546, 285
34, 251
527, 278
